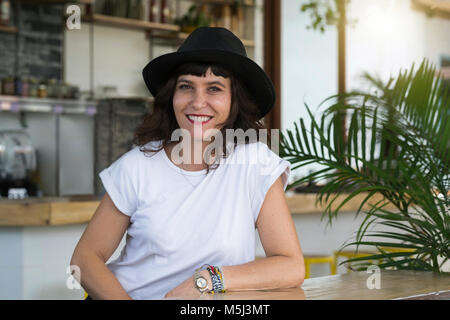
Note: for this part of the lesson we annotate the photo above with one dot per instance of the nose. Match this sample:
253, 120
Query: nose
199, 100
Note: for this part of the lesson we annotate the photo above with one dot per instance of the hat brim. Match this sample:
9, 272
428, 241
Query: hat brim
156, 73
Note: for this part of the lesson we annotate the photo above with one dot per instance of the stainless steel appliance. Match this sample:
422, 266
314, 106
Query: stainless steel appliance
17, 165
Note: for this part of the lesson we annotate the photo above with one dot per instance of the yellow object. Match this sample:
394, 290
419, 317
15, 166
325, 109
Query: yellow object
85, 295
317, 259
354, 254
351, 255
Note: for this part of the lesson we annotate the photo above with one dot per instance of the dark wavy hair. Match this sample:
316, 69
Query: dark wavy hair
159, 124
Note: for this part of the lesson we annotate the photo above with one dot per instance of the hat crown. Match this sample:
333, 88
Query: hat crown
213, 38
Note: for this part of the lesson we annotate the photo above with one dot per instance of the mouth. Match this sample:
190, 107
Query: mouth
199, 119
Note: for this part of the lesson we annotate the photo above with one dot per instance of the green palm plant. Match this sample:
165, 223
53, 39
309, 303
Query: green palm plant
397, 148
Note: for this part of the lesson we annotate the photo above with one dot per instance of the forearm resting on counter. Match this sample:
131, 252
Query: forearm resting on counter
274, 272
95, 277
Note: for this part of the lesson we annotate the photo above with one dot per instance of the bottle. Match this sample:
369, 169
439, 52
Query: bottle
33, 87
18, 86
134, 9
153, 9
122, 9
142, 10
99, 6
167, 11
163, 12
5, 12
108, 8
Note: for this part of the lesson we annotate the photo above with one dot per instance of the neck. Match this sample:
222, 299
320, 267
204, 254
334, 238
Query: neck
193, 162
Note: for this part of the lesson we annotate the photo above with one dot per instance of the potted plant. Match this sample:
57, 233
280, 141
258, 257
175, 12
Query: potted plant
398, 146
193, 19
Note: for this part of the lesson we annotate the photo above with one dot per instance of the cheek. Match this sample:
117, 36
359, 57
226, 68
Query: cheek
176, 102
179, 104
224, 106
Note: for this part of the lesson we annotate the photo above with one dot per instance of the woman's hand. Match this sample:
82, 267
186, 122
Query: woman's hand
187, 288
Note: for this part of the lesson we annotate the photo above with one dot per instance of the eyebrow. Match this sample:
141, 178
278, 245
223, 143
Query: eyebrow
209, 83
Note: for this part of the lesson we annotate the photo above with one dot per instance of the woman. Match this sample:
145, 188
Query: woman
190, 218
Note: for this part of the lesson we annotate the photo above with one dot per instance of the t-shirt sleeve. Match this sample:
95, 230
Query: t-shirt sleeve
268, 167
120, 180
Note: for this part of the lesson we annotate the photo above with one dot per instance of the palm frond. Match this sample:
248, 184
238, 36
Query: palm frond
397, 147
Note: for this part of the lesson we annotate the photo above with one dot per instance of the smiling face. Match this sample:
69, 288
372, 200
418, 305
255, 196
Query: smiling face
201, 103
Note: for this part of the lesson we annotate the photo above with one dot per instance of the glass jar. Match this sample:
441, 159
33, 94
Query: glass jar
59, 89
51, 88
33, 87
42, 90
8, 86
65, 91
25, 87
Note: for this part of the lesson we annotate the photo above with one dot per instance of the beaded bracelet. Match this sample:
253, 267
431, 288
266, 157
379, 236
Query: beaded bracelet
222, 278
217, 279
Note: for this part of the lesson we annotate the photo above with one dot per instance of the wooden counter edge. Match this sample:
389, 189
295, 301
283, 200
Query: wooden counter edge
45, 214
76, 212
306, 203
56, 212
24, 214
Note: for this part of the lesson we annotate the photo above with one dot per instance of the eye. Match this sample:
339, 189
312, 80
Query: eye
184, 86
215, 89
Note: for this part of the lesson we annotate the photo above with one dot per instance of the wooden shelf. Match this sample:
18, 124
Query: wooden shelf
61, 1
129, 23
247, 3
180, 36
246, 42
8, 29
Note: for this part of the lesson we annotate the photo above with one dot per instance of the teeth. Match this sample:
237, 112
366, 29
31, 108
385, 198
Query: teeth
199, 119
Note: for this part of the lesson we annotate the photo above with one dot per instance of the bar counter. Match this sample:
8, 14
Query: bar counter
393, 284
80, 209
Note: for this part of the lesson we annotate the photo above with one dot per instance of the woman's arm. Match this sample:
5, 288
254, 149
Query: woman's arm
283, 266
98, 242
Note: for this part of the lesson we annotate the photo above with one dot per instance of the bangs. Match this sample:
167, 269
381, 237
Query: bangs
199, 70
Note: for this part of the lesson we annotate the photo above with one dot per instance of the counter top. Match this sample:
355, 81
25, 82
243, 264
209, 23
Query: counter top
393, 284
80, 209
47, 211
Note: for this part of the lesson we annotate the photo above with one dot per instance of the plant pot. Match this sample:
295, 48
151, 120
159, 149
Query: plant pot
188, 29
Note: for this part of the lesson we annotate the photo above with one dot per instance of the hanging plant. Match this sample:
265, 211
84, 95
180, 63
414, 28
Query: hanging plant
324, 13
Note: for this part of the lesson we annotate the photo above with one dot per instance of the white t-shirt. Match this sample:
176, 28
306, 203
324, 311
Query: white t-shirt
182, 219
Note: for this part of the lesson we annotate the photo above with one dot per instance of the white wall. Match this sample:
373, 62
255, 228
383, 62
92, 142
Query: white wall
34, 262
118, 58
388, 35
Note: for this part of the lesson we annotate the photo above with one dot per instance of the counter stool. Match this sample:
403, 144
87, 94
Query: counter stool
349, 254
318, 259
353, 254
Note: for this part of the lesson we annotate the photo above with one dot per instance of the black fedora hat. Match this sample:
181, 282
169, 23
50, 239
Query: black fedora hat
216, 46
